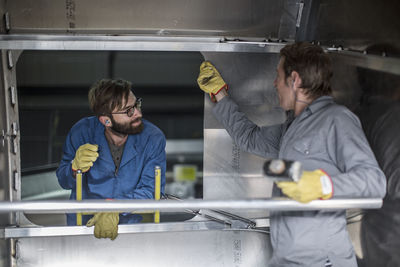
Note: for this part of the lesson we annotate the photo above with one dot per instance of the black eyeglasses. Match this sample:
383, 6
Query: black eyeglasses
129, 112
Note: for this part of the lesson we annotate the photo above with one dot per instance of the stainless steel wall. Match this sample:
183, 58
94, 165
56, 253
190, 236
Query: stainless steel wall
354, 24
230, 173
223, 18
10, 169
170, 248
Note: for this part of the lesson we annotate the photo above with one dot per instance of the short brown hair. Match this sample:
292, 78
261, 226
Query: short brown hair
106, 94
313, 66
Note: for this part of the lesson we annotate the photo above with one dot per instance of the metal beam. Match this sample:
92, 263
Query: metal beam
373, 62
171, 206
134, 43
20, 232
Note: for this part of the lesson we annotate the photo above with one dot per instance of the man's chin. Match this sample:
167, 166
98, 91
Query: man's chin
128, 130
137, 129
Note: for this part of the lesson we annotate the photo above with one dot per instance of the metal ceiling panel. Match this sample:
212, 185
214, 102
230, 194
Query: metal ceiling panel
228, 18
354, 24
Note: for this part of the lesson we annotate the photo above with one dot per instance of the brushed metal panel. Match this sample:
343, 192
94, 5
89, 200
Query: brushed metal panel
189, 248
230, 173
175, 17
357, 24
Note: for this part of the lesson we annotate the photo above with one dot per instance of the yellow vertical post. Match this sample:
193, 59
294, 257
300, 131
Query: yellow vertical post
157, 191
79, 194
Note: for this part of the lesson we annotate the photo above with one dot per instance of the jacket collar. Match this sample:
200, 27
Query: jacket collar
129, 150
104, 150
319, 103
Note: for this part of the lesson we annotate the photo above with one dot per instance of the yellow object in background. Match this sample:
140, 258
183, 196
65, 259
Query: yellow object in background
79, 194
185, 173
157, 191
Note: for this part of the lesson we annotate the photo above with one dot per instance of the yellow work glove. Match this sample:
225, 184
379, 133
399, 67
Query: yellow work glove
209, 80
84, 157
312, 185
105, 224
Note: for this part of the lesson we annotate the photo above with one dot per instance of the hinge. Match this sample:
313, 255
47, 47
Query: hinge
14, 132
13, 135
14, 129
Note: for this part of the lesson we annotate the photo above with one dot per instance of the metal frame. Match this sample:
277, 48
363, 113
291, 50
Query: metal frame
197, 204
308, 20
20, 232
10, 43
362, 59
135, 43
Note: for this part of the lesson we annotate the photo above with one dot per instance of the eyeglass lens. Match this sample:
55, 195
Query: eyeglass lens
137, 105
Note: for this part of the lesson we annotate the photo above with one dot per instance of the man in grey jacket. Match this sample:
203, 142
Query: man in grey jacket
325, 137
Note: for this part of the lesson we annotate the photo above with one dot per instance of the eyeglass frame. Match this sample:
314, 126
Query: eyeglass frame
137, 105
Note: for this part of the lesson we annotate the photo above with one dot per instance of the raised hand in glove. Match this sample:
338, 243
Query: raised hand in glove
312, 185
209, 80
84, 157
105, 224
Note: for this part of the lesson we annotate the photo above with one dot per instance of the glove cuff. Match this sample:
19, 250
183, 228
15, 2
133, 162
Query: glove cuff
327, 185
212, 95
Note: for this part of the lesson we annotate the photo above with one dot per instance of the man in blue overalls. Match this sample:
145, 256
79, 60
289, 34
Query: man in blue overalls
117, 151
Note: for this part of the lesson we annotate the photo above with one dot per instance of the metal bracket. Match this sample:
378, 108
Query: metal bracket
10, 59
16, 183
14, 129
7, 22
14, 132
3, 138
299, 14
12, 95
13, 135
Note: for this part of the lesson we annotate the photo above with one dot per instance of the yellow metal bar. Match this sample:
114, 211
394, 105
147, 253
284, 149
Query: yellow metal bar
79, 194
157, 191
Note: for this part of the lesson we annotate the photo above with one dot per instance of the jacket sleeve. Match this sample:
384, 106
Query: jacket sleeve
155, 157
262, 141
64, 171
360, 175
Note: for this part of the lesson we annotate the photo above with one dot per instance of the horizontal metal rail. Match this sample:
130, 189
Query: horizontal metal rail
70, 206
20, 232
133, 43
357, 58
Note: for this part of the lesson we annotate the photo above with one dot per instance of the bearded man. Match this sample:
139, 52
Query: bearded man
116, 150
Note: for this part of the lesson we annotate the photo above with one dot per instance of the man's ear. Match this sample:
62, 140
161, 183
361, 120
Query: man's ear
105, 120
296, 80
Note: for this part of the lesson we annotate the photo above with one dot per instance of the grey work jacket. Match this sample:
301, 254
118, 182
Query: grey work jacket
324, 136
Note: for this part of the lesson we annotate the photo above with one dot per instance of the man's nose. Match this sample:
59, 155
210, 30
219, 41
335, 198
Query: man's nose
137, 112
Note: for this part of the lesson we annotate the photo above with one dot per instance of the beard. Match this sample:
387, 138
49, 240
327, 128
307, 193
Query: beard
127, 128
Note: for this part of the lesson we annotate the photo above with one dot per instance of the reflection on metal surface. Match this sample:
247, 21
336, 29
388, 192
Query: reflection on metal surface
62, 206
133, 43
356, 24
230, 173
172, 248
174, 17
379, 63
18, 232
